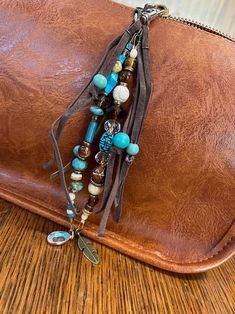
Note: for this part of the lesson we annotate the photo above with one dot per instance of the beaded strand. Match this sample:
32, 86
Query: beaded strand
112, 135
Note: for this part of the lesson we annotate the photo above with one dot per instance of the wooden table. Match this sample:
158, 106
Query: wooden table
38, 278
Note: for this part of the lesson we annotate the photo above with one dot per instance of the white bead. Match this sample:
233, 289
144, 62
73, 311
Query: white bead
121, 93
95, 190
84, 217
70, 212
133, 53
72, 196
76, 176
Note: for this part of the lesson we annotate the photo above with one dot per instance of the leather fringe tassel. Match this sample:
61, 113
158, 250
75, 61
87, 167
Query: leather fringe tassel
118, 165
133, 126
106, 64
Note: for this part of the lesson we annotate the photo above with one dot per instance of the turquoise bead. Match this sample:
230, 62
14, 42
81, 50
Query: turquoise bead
79, 164
122, 58
90, 134
132, 149
100, 81
70, 207
97, 111
112, 82
129, 46
121, 140
106, 142
71, 216
76, 186
75, 150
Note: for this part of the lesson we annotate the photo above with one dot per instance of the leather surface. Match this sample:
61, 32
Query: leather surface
179, 202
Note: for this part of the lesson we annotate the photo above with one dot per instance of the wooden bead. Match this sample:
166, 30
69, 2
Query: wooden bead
84, 151
93, 200
126, 76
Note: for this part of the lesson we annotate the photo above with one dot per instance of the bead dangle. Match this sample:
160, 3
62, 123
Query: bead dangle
111, 93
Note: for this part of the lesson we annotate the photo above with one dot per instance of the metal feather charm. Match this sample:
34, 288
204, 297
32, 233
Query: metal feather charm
87, 249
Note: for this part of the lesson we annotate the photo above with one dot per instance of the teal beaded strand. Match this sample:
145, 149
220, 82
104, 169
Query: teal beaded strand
82, 152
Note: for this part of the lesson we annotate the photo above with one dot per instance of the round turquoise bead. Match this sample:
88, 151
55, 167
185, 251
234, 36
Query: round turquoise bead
132, 149
79, 164
121, 140
100, 81
97, 111
76, 186
75, 150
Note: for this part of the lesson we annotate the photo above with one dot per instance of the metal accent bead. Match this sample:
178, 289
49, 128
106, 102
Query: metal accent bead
130, 64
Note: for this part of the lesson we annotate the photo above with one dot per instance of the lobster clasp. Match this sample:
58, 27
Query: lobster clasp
149, 12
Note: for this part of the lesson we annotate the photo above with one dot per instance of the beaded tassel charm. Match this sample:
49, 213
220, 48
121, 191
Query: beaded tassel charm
108, 94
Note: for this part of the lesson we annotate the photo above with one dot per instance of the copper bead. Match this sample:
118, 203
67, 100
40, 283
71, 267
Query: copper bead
84, 151
98, 175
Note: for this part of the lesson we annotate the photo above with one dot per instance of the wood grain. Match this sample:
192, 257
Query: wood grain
38, 278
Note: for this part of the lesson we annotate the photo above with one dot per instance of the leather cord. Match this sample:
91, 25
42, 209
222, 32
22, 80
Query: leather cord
133, 127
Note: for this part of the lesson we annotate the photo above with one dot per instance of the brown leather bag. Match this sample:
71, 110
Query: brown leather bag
179, 202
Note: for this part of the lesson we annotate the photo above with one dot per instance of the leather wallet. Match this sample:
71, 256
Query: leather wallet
179, 200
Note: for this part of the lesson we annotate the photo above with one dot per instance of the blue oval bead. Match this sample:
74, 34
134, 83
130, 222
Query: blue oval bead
97, 111
79, 164
75, 150
132, 149
76, 186
121, 140
106, 142
100, 81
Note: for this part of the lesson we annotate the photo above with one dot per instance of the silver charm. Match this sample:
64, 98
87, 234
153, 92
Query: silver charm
59, 237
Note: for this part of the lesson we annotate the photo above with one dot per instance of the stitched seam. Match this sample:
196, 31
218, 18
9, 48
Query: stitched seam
124, 240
